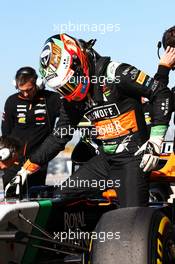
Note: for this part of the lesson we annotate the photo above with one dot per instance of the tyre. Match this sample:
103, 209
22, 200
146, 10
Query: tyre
140, 236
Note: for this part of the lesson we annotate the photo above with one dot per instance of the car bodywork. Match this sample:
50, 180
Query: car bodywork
46, 230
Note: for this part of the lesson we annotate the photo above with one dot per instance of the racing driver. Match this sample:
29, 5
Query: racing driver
107, 93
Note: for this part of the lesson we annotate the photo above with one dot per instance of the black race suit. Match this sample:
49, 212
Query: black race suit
162, 75
121, 129
31, 121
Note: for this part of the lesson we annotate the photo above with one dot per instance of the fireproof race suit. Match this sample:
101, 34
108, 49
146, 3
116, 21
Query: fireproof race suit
120, 129
162, 75
31, 121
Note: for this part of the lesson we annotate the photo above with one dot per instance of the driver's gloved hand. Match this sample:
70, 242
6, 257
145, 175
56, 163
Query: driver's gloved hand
151, 149
13, 187
150, 152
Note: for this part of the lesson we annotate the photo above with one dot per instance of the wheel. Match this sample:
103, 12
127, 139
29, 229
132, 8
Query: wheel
133, 236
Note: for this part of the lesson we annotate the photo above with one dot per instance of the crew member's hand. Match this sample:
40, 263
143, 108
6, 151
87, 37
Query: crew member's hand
168, 58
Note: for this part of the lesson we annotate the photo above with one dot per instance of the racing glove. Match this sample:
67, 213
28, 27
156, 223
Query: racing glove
13, 187
151, 149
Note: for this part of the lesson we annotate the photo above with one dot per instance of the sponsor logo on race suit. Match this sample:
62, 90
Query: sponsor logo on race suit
101, 112
39, 113
117, 127
21, 113
109, 123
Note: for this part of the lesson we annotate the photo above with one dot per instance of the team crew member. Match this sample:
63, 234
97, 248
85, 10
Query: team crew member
167, 60
109, 94
29, 116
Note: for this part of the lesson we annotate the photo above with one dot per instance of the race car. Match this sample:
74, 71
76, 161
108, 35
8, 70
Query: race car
90, 228
54, 230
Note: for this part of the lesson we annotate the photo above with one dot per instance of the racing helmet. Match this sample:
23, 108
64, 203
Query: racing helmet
64, 66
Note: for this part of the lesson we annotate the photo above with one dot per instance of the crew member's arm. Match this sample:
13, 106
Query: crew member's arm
166, 63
